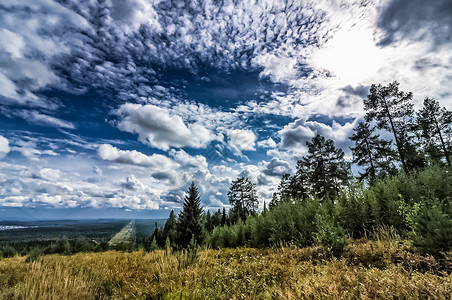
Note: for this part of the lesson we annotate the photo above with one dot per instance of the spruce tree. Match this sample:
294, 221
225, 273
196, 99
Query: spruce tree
189, 221
208, 225
392, 109
243, 198
169, 230
371, 152
327, 168
435, 124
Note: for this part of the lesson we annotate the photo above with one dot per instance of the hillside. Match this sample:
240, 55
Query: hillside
385, 268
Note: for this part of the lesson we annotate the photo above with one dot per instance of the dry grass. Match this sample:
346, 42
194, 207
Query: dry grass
385, 269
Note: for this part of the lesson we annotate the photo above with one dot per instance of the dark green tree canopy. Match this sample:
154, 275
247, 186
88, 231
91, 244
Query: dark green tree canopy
435, 126
189, 222
392, 110
243, 198
326, 167
372, 153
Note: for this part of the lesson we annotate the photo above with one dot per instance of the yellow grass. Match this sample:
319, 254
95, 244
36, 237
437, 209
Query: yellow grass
383, 269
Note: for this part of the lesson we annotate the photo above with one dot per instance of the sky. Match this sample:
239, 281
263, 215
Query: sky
115, 106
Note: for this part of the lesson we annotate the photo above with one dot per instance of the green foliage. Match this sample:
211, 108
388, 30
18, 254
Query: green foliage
243, 198
169, 230
329, 233
328, 171
34, 255
355, 211
8, 251
189, 221
192, 251
391, 109
431, 224
168, 247
372, 153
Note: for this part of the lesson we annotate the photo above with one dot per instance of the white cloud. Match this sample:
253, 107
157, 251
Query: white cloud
268, 143
186, 159
157, 127
241, 139
133, 157
38, 118
49, 174
4, 147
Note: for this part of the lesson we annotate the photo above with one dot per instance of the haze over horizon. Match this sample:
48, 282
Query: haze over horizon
118, 105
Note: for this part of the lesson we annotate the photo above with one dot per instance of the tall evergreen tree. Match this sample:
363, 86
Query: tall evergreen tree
189, 221
284, 189
435, 124
300, 181
216, 218
243, 198
326, 165
392, 109
169, 230
208, 225
373, 152
224, 218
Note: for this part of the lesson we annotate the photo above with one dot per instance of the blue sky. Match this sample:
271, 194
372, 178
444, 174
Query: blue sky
119, 104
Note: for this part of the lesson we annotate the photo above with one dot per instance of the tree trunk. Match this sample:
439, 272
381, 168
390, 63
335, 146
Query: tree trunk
402, 156
442, 141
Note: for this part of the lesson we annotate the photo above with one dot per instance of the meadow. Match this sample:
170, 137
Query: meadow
384, 267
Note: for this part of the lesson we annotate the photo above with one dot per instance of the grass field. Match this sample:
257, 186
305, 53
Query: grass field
384, 269
126, 235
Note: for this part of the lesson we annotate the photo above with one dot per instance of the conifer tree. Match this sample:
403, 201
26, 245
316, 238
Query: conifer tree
326, 165
300, 181
243, 198
392, 110
435, 124
371, 151
224, 218
208, 222
189, 221
216, 218
170, 229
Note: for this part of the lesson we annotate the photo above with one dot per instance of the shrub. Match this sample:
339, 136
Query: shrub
328, 231
431, 224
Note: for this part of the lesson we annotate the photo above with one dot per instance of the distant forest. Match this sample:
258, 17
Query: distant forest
405, 187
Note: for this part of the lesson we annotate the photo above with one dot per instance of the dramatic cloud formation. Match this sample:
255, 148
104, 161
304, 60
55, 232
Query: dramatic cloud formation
122, 103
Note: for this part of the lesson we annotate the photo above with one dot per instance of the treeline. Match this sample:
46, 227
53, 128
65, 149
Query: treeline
36, 248
406, 186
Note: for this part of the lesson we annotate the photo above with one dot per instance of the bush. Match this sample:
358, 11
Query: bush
8, 251
355, 212
34, 255
431, 224
328, 231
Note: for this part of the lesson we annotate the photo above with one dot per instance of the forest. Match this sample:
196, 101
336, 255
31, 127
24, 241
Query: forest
405, 186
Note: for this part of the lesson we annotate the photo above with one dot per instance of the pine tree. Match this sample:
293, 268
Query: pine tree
243, 198
170, 229
300, 181
392, 110
284, 189
224, 218
208, 223
435, 124
216, 218
189, 221
326, 165
371, 151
